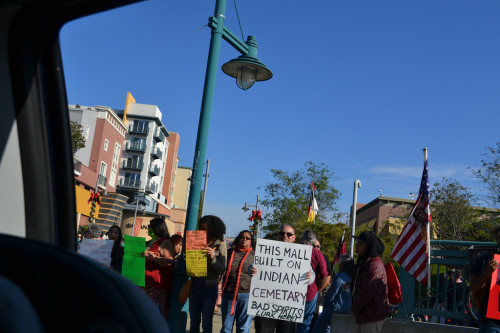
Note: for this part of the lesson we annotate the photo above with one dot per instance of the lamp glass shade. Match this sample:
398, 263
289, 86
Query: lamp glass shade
246, 77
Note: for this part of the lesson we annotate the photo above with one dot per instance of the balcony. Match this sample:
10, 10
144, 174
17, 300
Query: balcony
159, 136
130, 183
77, 167
101, 181
136, 147
133, 165
141, 130
152, 187
154, 171
156, 153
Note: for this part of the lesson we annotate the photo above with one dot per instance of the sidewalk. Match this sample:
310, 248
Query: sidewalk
217, 324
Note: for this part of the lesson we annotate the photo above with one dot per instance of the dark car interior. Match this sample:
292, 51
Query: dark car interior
47, 286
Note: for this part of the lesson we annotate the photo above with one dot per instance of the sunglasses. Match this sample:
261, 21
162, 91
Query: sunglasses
317, 246
288, 234
246, 238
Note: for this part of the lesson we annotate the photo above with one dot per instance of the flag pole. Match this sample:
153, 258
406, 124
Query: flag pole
428, 244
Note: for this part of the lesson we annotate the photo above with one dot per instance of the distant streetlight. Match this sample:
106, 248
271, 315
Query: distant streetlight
246, 209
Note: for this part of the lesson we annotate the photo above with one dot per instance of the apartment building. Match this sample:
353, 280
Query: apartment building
97, 164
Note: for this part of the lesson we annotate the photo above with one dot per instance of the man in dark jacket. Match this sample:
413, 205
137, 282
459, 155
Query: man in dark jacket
370, 305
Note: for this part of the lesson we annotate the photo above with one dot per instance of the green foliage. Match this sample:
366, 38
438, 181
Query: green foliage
287, 200
453, 216
77, 137
489, 174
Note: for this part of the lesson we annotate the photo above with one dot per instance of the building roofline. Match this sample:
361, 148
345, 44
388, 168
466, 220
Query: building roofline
381, 199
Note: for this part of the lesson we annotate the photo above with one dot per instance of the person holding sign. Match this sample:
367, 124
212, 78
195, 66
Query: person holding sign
370, 304
159, 265
481, 274
269, 325
115, 234
204, 289
236, 285
318, 266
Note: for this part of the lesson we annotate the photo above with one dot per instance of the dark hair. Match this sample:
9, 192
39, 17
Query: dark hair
348, 267
216, 228
237, 239
159, 227
175, 238
286, 225
120, 235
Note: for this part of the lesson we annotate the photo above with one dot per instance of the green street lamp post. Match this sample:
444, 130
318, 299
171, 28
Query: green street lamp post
246, 69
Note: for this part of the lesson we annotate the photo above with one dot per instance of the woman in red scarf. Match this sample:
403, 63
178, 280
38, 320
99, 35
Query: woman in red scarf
236, 286
159, 265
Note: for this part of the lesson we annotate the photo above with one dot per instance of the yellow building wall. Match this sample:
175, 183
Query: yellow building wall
82, 206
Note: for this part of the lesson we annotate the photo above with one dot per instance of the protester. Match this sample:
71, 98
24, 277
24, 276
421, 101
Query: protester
370, 304
236, 286
204, 289
318, 266
177, 244
455, 293
480, 281
93, 231
328, 263
269, 325
321, 294
79, 239
439, 305
159, 265
115, 234
338, 299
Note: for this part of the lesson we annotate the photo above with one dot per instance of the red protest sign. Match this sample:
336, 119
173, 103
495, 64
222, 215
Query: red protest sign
493, 310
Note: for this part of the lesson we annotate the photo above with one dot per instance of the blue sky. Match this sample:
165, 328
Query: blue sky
358, 85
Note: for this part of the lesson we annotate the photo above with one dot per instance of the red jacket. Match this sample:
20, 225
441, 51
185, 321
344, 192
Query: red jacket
370, 302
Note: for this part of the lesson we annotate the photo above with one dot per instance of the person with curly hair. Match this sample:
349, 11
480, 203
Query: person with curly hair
204, 289
236, 286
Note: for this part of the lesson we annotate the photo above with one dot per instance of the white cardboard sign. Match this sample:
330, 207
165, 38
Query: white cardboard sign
279, 288
97, 249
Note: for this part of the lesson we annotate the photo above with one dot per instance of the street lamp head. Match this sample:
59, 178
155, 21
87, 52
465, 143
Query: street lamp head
245, 208
247, 68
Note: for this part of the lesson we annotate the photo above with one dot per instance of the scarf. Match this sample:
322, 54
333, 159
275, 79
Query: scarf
239, 274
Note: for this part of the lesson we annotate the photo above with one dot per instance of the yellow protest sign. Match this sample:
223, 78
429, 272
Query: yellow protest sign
196, 256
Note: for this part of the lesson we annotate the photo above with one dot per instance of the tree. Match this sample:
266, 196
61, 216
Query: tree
77, 137
287, 200
489, 173
453, 215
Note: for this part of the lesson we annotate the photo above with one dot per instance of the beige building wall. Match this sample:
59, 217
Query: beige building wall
181, 192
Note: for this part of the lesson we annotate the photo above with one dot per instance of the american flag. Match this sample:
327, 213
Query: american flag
410, 250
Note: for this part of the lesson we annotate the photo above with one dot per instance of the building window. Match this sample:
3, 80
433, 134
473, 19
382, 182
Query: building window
106, 143
114, 165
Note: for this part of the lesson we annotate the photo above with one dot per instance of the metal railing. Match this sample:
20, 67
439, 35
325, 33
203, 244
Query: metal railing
101, 181
127, 182
156, 153
159, 136
447, 297
154, 170
131, 164
136, 147
138, 129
